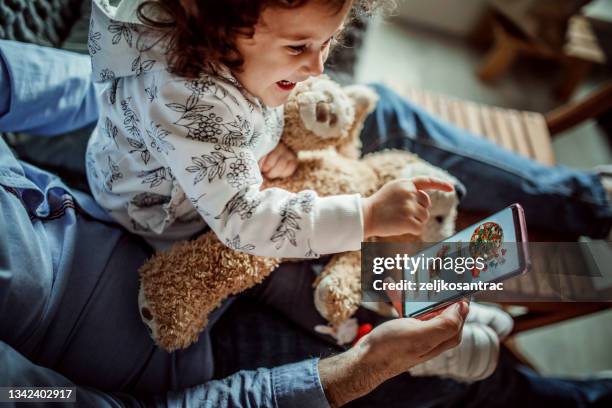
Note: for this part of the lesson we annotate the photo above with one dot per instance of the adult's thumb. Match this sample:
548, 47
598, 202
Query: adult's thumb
448, 324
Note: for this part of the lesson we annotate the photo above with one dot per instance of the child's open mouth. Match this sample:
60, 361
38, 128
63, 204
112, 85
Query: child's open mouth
286, 85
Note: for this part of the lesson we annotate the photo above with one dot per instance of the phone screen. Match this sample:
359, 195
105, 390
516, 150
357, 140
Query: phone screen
496, 247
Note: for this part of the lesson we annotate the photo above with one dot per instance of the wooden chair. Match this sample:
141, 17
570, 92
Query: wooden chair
578, 55
529, 134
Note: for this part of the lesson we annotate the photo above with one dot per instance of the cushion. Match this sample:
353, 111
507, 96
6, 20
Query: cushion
44, 22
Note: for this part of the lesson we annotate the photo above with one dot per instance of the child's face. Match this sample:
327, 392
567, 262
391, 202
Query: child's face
288, 46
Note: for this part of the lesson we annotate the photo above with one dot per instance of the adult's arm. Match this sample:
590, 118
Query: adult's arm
292, 385
52, 86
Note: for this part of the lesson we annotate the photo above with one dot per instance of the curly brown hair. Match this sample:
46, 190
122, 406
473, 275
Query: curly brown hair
200, 34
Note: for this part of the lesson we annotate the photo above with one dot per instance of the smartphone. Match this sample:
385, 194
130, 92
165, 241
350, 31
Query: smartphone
499, 242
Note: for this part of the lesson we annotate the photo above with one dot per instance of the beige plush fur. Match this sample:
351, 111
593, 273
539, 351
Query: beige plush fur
180, 287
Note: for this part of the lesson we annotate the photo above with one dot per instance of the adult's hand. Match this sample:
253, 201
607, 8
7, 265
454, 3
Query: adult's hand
390, 349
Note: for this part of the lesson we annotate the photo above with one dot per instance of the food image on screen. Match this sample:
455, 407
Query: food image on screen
486, 242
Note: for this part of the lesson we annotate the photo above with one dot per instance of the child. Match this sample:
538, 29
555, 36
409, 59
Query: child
192, 105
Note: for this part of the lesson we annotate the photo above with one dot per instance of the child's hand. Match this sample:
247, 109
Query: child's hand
279, 163
400, 207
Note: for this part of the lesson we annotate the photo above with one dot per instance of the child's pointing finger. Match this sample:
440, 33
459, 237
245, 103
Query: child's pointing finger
423, 199
430, 183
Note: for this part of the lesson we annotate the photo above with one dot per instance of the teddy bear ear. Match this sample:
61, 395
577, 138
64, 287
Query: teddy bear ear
364, 98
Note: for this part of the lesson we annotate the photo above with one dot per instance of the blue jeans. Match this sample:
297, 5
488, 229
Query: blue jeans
556, 198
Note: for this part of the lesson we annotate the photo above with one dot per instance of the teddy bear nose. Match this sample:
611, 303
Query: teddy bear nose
322, 112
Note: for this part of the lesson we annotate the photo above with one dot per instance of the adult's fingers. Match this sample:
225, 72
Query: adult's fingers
430, 315
446, 326
431, 183
442, 347
451, 342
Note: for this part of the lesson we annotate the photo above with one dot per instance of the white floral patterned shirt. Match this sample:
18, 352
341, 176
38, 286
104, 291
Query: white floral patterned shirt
170, 156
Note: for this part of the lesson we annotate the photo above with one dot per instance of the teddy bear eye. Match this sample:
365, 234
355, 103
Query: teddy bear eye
439, 218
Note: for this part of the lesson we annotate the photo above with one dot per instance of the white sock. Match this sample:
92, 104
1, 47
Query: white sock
474, 359
497, 319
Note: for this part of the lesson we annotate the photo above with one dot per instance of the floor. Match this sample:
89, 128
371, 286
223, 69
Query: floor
437, 62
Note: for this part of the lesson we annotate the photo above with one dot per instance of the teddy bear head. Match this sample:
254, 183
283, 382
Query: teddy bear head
321, 114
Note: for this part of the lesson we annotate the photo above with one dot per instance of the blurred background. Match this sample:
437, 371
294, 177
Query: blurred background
436, 45
446, 46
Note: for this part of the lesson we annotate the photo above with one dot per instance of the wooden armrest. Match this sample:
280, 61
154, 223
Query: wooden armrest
543, 314
572, 114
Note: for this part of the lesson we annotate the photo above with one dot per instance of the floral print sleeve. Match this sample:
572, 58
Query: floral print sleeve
210, 137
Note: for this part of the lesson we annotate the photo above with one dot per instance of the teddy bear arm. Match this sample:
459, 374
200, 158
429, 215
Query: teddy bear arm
338, 287
389, 164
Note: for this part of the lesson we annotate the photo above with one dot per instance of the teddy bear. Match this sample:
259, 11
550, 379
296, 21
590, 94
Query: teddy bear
180, 287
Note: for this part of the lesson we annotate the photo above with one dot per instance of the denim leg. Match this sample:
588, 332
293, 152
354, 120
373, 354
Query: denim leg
45, 91
557, 198
289, 290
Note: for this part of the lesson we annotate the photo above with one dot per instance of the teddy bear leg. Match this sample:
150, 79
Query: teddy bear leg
338, 288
